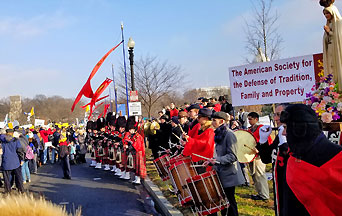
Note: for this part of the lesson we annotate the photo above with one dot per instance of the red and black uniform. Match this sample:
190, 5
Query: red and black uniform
136, 148
201, 143
278, 156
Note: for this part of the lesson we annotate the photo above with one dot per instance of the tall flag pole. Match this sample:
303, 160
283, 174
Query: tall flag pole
116, 97
124, 58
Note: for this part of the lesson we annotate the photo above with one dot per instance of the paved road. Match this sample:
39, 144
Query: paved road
106, 196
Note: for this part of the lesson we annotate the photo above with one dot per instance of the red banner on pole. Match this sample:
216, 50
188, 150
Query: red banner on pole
86, 89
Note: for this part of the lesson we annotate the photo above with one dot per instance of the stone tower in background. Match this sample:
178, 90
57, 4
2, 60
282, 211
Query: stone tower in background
15, 107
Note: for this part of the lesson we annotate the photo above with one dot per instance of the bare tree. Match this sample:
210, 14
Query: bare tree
262, 31
154, 79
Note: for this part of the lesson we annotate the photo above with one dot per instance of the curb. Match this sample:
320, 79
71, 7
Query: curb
161, 202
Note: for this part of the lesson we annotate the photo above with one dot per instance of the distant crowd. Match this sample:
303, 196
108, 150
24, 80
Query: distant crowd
24, 151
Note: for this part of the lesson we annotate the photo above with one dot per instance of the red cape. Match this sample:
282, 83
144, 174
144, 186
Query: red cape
319, 189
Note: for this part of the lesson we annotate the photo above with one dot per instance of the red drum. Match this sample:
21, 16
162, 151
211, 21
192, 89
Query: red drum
207, 193
175, 160
179, 172
161, 168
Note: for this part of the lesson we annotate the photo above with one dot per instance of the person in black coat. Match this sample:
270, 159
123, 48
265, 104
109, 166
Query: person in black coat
277, 154
228, 169
313, 171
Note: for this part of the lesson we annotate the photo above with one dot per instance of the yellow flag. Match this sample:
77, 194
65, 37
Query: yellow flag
10, 125
87, 108
32, 111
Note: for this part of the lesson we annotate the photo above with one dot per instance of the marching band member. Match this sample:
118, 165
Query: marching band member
121, 126
183, 121
257, 167
202, 142
194, 124
136, 148
90, 142
277, 154
228, 169
99, 142
113, 135
175, 136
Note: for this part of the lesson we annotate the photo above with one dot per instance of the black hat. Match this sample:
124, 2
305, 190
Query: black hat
298, 113
205, 100
205, 112
175, 119
111, 119
193, 106
101, 123
210, 105
164, 117
131, 124
121, 122
220, 115
89, 125
108, 116
200, 98
303, 127
221, 98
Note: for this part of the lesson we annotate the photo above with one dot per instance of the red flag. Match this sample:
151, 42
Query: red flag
97, 94
86, 89
105, 109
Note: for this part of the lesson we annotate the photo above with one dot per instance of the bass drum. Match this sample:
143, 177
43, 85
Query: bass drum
246, 146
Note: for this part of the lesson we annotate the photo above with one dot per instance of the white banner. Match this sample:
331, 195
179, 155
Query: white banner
285, 80
39, 122
134, 108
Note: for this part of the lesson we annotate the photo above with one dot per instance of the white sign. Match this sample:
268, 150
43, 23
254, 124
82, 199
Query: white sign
134, 108
39, 122
286, 80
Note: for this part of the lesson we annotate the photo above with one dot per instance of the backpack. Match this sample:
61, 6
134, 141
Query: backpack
29, 153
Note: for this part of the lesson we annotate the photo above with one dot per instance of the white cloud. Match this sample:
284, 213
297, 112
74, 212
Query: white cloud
23, 28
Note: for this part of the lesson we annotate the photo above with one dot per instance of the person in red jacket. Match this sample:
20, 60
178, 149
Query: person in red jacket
137, 149
173, 111
201, 143
45, 136
194, 125
257, 168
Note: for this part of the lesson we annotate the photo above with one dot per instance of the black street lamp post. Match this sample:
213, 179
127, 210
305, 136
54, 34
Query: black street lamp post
130, 45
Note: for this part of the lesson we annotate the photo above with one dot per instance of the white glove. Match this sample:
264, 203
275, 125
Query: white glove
264, 133
282, 139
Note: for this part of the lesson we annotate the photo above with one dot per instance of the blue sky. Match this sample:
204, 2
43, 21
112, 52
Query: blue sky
50, 47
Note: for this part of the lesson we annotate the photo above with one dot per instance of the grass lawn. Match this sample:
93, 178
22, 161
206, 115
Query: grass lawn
247, 206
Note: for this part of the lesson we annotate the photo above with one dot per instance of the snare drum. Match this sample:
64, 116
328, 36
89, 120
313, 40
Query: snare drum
207, 193
161, 168
179, 172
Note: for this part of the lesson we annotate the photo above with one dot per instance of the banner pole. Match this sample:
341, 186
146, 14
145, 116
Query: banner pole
124, 58
116, 98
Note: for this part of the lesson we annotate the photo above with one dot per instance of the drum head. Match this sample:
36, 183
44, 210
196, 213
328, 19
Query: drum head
245, 145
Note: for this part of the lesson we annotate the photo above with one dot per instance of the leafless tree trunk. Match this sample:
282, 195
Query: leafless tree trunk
154, 79
262, 31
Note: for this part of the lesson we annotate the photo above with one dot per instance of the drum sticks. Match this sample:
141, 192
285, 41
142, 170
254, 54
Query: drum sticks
204, 157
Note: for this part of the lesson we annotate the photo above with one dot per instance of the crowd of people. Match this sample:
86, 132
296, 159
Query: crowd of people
23, 151
299, 146
203, 131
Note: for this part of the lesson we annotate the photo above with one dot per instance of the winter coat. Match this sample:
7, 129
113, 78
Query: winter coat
202, 143
12, 152
229, 169
81, 142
